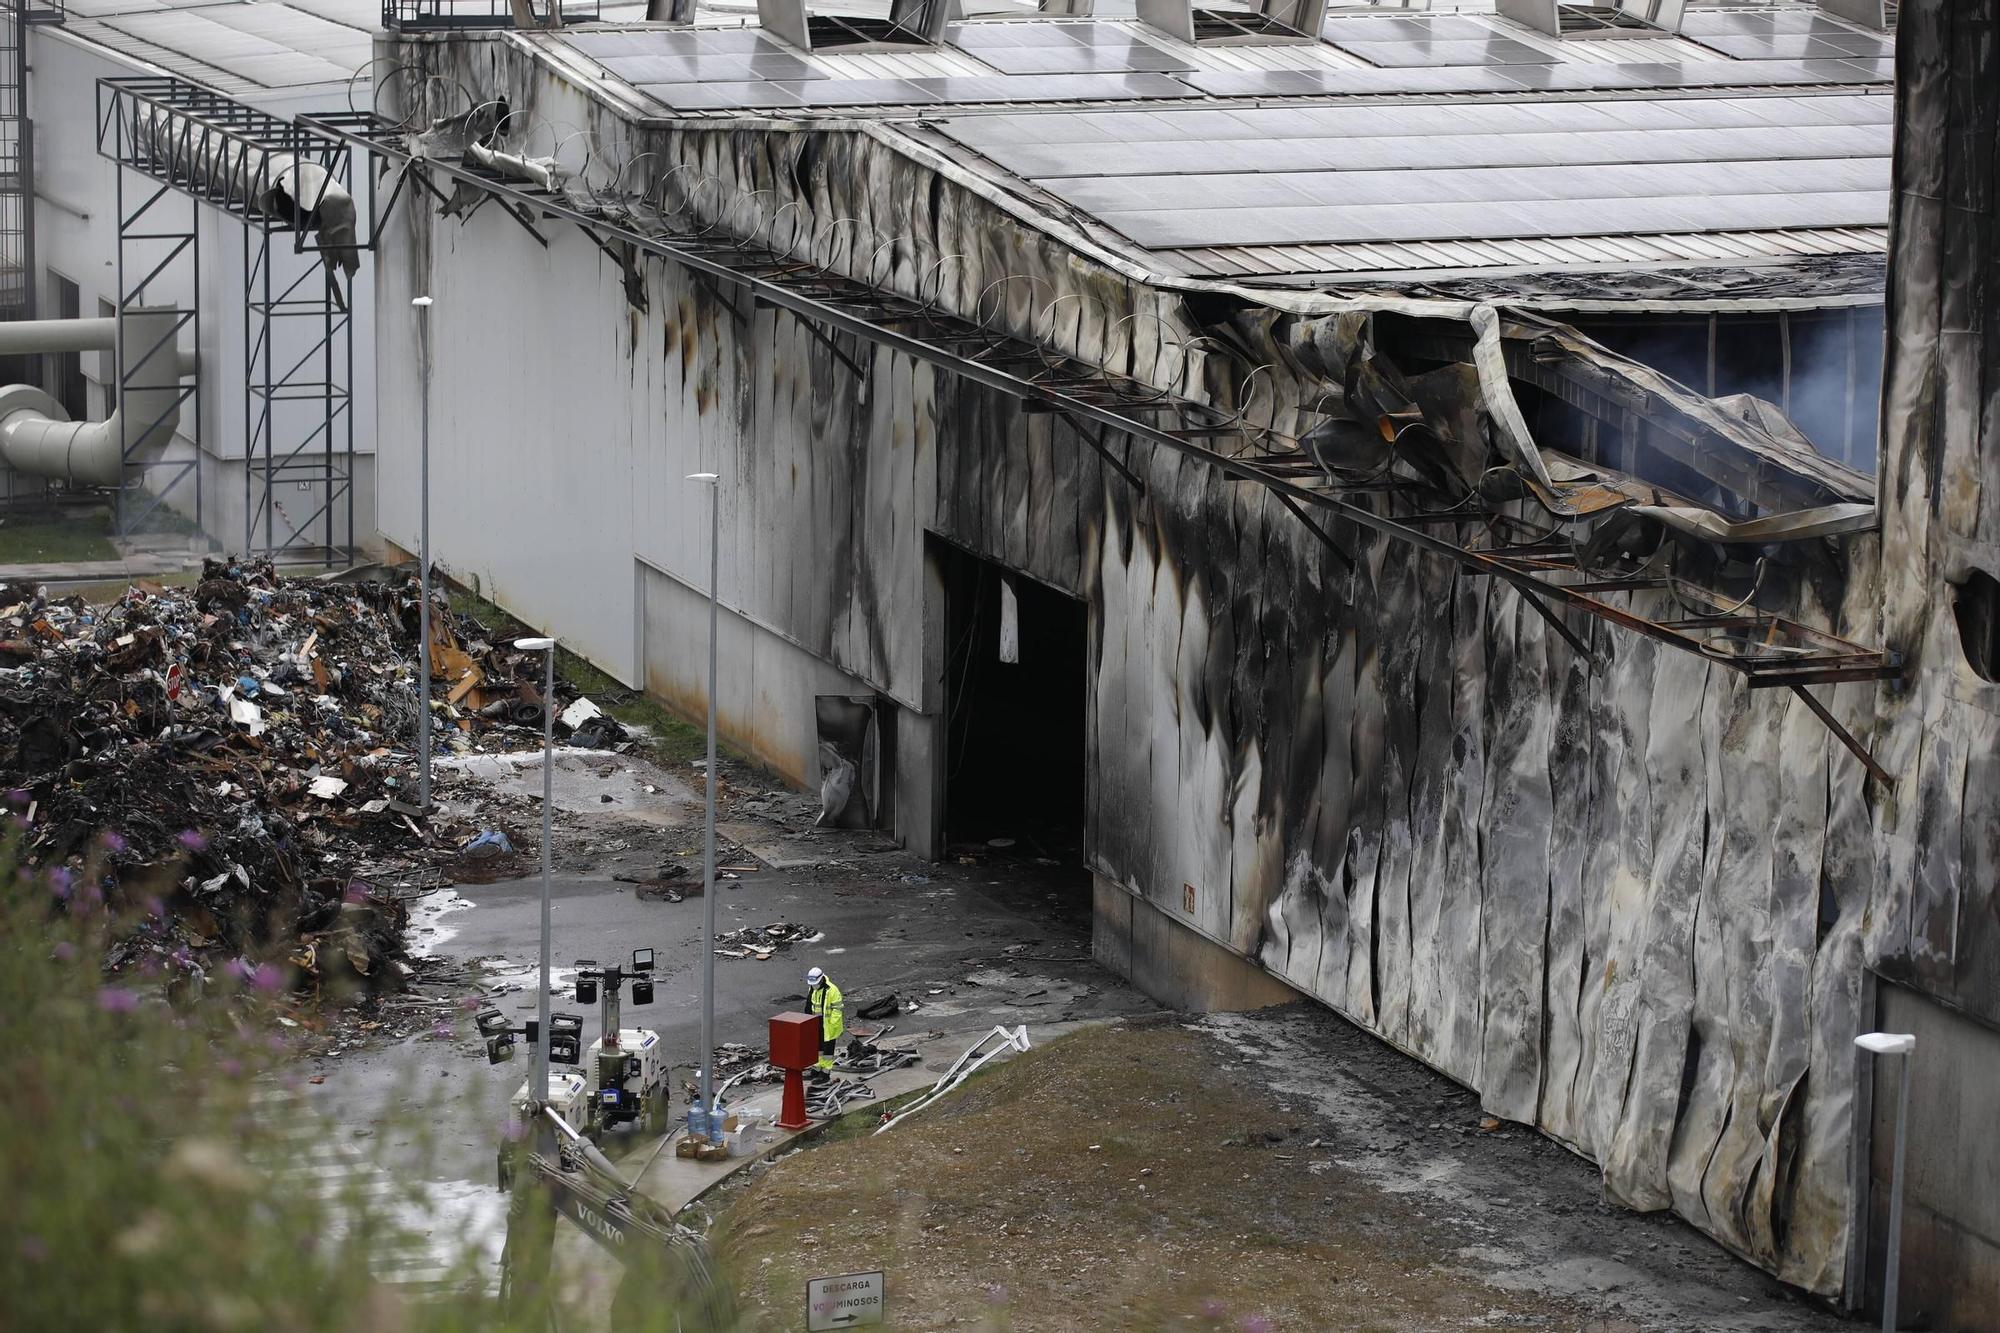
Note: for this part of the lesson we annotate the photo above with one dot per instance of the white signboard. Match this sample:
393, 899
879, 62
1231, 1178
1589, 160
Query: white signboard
853, 1300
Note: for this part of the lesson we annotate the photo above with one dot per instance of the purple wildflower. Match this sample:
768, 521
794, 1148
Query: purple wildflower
357, 893
1256, 1323
19, 796
1214, 1310
64, 951
192, 840
117, 1000
470, 1004
154, 907
60, 881
267, 977
996, 1294
231, 1066
112, 842
445, 1031
512, 1131
237, 969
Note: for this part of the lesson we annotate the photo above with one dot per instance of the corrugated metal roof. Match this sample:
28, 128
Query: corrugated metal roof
239, 47
1335, 188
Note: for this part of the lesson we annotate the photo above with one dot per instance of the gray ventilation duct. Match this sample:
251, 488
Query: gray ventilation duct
38, 438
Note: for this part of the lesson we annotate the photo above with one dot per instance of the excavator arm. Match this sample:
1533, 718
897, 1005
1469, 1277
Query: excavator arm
668, 1281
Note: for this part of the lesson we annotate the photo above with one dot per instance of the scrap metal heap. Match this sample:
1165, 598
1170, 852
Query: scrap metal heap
227, 766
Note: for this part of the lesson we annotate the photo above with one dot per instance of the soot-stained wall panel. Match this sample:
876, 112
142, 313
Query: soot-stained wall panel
1613, 895
1940, 489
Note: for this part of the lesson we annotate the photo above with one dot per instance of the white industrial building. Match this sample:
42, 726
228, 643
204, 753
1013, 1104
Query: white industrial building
1388, 495
267, 478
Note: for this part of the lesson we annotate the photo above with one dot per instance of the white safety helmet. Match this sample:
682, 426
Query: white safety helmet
814, 976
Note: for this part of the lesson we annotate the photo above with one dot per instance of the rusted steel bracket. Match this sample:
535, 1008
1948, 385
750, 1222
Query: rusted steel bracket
525, 216
629, 272
1095, 439
825, 339
1346, 557
387, 209
1555, 620
1847, 738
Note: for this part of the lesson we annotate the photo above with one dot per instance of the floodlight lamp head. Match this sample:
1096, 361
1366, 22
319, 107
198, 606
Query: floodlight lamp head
1887, 1043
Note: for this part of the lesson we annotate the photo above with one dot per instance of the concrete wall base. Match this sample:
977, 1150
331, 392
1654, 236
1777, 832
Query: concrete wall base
1951, 1212
1172, 962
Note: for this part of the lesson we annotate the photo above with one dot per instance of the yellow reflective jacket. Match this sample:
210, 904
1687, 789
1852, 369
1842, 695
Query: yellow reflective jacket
826, 1001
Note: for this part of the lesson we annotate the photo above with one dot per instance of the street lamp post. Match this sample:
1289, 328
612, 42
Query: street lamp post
539, 1088
1902, 1044
423, 306
708, 818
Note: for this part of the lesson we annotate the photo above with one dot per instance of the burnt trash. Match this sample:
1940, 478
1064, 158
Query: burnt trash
762, 942
224, 761
886, 1007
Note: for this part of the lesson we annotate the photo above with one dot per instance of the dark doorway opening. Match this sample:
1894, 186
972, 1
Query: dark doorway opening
1015, 779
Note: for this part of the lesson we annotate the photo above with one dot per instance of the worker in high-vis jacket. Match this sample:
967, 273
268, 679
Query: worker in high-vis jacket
824, 998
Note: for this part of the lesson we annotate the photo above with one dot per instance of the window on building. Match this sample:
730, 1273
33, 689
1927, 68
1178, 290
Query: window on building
68, 384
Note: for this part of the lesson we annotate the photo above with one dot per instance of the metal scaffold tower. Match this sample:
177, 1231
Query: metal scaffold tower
298, 405
278, 179
17, 156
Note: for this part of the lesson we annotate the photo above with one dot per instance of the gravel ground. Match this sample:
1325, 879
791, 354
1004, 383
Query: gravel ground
1240, 1173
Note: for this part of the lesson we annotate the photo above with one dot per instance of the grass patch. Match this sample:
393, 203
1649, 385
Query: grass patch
671, 739
45, 537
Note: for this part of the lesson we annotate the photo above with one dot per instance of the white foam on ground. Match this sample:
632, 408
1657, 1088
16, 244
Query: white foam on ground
505, 976
427, 932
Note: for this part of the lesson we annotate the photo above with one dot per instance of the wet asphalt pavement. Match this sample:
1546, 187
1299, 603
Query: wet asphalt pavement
1004, 939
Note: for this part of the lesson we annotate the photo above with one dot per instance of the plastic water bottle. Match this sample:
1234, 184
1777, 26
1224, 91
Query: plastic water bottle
697, 1120
716, 1117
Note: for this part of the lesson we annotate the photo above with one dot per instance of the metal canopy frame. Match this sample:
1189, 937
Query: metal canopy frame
298, 417
1542, 564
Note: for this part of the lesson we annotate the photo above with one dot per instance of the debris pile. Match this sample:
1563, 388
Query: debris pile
232, 762
760, 942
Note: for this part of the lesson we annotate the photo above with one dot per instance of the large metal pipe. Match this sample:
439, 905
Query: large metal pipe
28, 337
38, 438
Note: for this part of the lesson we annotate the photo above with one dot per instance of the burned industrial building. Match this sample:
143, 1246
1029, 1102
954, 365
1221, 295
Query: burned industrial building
1398, 500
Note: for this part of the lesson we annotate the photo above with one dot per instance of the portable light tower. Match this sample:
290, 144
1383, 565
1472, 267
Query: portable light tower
626, 1067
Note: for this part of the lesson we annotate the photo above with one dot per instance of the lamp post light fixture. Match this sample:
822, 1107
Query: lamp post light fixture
1902, 1044
539, 1084
423, 308
713, 482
